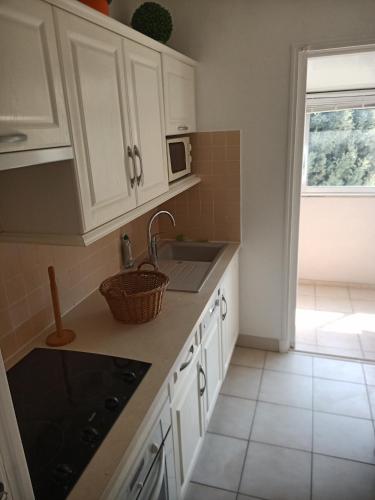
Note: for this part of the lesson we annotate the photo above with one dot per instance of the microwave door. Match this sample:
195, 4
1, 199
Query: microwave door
177, 156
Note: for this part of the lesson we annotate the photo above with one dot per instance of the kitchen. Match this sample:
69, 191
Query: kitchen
73, 57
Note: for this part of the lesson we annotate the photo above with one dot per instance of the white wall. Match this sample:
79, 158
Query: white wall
337, 239
244, 47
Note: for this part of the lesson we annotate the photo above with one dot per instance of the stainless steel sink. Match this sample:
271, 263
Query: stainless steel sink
188, 264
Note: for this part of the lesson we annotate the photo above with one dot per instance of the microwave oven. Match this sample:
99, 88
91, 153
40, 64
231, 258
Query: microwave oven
179, 157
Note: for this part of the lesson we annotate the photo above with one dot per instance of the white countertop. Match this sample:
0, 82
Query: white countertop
158, 342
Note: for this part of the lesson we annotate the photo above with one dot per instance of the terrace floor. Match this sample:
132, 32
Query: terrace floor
336, 320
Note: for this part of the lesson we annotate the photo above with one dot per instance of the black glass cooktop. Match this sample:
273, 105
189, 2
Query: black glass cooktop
65, 403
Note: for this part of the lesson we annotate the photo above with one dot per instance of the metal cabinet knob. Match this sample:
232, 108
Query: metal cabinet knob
182, 127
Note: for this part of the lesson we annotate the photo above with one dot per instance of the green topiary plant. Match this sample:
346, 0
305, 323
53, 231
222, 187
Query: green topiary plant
153, 20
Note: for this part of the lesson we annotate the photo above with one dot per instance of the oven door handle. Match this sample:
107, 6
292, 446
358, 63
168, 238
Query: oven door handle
158, 481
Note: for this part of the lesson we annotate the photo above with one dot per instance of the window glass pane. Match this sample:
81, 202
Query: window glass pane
341, 148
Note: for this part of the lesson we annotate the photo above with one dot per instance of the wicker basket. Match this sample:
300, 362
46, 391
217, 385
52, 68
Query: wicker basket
135, 296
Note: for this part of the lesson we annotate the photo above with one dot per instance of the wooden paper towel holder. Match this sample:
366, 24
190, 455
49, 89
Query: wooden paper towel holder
60, 336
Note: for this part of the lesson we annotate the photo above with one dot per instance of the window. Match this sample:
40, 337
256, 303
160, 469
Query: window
339, 151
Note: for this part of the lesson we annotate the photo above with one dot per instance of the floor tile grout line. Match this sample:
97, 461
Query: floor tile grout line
214, 487
336, 357
369, 398
297, 407
314, 453
361, 346
345, 458
246, 366
315, 376
251, 430
227, 435
292, 448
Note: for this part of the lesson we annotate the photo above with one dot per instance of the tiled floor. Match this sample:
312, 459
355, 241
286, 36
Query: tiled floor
290, 427
336, 320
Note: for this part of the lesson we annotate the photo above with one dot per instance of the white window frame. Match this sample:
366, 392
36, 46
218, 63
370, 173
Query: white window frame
340, 100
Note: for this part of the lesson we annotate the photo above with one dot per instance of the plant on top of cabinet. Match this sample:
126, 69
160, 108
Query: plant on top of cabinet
153, 20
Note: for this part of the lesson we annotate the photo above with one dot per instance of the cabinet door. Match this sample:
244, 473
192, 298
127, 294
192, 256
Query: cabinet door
32, 108
211, 350
187, 421
229, 311
179, 96
95, 82
143, 72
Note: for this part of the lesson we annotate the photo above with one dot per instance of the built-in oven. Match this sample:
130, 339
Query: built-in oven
153, 476
179, 157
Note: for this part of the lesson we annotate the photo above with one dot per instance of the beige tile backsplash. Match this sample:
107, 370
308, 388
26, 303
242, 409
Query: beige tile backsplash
25, 304
210, 210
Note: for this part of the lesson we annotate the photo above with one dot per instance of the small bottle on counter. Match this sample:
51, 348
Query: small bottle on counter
127, 254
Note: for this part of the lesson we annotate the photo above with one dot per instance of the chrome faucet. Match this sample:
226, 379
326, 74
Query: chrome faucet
152, 239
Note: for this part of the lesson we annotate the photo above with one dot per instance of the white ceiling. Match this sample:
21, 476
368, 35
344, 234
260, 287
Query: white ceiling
341, 72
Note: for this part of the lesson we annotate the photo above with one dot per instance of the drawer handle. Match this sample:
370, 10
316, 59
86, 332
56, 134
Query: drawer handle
132, 178
182, 127
13, 139
202, 389
189, 360
224, 315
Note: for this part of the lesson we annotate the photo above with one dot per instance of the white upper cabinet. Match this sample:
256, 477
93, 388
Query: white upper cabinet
32, 110
145, 88
95, 82
179, 96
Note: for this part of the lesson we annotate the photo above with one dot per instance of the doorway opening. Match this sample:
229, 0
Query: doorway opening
335, 299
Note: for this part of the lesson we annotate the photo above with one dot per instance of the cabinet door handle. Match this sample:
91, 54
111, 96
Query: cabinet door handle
3, 493
157, 485
202, 389
182, 127
189, 360
224, 314
212, 309
138, 154
130, 155
12, 139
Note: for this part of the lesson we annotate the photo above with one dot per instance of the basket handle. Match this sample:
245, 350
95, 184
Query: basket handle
147, 262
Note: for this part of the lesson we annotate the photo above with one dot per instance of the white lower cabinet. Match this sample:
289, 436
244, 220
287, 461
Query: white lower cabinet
229, 311
211, 358
199, 376
187, 421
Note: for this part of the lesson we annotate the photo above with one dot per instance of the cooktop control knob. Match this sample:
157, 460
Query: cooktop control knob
62, 472
90, 435
129, 376
112, 403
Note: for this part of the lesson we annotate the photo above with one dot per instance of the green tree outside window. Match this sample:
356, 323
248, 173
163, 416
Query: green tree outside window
342, 148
